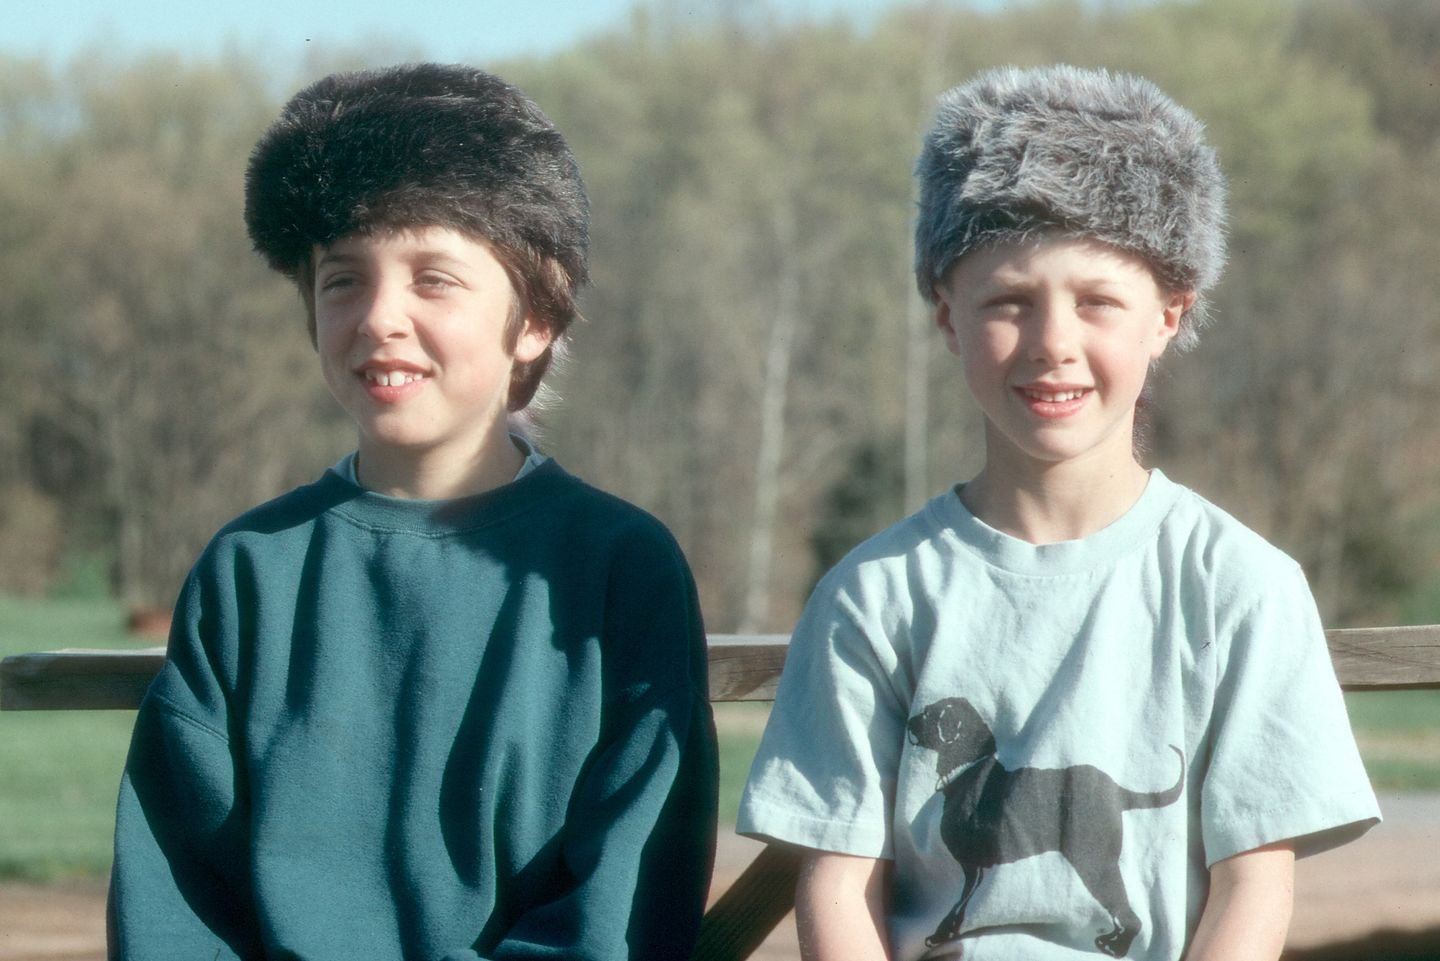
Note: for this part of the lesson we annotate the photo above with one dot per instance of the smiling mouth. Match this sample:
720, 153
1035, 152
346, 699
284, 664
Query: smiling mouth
1054, 396
391, 378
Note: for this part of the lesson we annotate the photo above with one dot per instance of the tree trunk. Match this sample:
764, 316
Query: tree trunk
771, 448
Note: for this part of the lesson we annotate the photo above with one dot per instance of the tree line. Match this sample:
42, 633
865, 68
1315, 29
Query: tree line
756, 367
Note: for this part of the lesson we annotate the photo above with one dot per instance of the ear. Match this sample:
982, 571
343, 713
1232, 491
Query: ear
533, 341
945, 318
1174, 309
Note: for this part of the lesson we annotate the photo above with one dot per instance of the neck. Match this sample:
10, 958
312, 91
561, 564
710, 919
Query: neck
1049, 503
438, 474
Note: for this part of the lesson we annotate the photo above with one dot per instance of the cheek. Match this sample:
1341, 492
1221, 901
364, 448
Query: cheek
1125, 365
987, 347
477, 349
329, 327
331, 348
985, 374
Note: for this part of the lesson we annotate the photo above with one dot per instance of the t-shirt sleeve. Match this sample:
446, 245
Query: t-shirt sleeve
1283, 763
824, 776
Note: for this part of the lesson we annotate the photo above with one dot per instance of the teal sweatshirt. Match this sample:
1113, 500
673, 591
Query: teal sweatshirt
397, 729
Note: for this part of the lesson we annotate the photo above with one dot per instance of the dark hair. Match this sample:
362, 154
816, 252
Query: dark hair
427, 145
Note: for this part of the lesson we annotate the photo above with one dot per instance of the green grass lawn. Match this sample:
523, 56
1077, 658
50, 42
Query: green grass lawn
59, 770
1399, 735
739, 727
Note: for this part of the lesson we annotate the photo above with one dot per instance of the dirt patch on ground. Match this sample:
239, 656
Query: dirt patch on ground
52, 923
1390, 879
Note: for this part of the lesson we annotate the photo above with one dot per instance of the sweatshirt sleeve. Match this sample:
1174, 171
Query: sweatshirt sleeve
639, 840
178, 885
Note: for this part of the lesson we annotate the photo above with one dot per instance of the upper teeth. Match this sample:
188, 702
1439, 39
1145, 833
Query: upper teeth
392, 378
1055, 397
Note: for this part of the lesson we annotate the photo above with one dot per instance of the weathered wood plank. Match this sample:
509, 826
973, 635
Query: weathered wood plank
750, 909
746, 668
1386, 658
78, 679
742, 668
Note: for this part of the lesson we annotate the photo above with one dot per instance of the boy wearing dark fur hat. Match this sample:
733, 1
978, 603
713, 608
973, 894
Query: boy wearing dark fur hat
1069, 709
448, 701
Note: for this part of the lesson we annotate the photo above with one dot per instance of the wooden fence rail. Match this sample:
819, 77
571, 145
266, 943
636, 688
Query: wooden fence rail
742, 668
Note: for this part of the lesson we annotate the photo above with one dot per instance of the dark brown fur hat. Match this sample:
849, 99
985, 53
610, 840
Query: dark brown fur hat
416, 145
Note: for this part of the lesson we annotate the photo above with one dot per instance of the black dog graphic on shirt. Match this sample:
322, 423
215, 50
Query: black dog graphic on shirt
993, 816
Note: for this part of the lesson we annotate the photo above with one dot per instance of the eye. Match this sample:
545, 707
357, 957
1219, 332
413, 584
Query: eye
1004, 306
432, 282
1096, 303
1008, 310
338, 282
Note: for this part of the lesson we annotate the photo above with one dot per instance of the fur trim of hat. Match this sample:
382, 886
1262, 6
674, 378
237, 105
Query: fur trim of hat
1094, 154
416, 145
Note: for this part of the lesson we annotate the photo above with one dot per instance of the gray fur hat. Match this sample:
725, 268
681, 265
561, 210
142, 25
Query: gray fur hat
416, 145
1094, 154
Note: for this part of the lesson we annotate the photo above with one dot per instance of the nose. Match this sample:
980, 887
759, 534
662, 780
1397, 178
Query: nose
382, 315
1053, 333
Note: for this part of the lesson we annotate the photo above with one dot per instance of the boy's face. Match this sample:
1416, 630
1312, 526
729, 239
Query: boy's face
410, 327
1056, 337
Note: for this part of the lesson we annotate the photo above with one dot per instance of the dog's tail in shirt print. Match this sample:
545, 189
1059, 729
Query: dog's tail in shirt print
1139, 800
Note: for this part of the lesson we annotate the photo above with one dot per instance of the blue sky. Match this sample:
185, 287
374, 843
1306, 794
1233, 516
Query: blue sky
477, 30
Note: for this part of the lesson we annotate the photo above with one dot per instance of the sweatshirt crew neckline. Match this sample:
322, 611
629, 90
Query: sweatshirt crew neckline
382, 512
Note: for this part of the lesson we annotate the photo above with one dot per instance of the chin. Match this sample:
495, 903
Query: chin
398, 439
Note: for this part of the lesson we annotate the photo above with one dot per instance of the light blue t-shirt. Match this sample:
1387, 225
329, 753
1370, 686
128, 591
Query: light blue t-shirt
1054, 742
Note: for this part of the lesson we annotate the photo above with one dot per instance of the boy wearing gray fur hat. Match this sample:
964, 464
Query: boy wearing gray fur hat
448, 701
1069, 709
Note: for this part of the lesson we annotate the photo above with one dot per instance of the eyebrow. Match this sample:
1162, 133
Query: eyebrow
994, 284
1004, 283
432, 258
438, 258
330, 257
